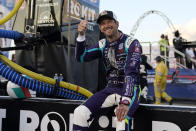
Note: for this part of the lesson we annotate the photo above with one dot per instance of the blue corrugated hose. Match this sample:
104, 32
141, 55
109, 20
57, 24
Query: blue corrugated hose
10, 34
36, 85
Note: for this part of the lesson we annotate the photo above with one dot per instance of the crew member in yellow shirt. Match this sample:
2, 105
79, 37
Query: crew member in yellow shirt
160, 82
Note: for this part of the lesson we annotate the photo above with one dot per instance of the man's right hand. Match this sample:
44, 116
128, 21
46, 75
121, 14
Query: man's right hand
121, 111
82, 26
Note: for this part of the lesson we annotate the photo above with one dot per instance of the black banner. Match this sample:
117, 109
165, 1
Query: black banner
151, 117
43, 114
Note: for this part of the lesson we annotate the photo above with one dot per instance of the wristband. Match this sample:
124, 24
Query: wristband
125, 102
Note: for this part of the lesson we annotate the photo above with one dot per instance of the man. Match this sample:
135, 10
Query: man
121, 57
144, 66
164, 50
189, 52
160, 82
178, 44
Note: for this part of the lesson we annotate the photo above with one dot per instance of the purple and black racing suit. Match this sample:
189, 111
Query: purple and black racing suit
121, 60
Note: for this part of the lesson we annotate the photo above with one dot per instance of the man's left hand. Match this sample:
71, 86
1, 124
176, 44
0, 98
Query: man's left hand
121, 111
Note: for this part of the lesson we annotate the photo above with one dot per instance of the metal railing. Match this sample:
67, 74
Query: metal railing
165, 57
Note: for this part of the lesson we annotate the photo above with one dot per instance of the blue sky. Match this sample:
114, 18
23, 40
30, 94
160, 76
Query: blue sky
182, 13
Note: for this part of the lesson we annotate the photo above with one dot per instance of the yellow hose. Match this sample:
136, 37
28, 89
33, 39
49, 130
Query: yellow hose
12, 13
44, 78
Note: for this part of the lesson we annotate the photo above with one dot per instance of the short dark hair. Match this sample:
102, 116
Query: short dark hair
162, 36
158, 59
176, 33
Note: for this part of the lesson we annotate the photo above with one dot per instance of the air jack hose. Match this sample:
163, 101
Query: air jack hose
36, 85
44, 78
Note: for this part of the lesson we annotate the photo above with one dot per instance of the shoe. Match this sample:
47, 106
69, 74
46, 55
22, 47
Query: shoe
171, 102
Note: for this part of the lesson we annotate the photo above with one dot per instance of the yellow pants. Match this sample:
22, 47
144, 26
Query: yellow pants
160, 93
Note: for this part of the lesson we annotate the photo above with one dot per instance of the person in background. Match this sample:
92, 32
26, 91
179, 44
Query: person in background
190, 55
167, 39
164, 41
194, 51
121, 55
164, 50
178, 45
160, 82
144, 66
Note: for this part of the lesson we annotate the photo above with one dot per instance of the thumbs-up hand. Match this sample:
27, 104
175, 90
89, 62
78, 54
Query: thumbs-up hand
82, 26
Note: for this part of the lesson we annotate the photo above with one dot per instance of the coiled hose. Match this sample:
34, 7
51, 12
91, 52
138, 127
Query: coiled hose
17, 35
12, 13
36, 85
44, 78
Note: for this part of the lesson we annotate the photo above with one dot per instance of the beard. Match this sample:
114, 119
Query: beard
111, 34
